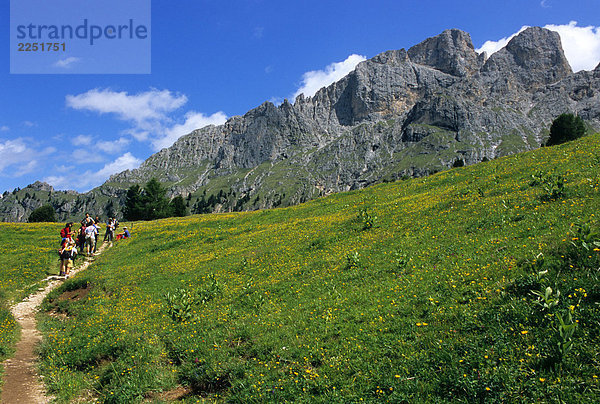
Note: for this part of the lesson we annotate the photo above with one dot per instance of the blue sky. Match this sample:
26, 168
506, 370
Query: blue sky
211, 60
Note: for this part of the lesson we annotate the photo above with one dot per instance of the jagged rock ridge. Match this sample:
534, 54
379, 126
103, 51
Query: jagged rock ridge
401, 113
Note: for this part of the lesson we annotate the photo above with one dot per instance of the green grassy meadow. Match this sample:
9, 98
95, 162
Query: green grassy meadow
27, 255
475, 284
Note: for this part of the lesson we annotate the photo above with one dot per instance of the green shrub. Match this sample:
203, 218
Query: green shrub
179, 304
209, 290
353, 260
523, 285
552, 184
554, 187
367, 220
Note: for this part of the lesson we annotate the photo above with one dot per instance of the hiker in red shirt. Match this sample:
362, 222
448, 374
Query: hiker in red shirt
64, 233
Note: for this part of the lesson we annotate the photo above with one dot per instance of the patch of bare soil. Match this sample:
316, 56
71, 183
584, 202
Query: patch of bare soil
176, 394
74, 295
22, 383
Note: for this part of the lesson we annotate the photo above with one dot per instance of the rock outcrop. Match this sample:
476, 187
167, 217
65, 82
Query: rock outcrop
451, 52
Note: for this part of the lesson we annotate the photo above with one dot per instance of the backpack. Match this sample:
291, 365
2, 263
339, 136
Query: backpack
69, 252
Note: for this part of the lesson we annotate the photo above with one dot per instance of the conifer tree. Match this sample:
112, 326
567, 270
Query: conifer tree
134, 207
566, 127
178, 207
156, 204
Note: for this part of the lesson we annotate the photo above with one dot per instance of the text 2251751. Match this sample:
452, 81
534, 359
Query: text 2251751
42, 47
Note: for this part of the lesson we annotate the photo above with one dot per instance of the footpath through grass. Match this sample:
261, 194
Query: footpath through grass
476, 284
27, 255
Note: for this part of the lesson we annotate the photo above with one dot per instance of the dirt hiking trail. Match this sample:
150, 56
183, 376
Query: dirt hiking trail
22, 383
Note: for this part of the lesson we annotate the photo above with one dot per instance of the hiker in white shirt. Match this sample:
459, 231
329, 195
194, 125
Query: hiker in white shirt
90, 238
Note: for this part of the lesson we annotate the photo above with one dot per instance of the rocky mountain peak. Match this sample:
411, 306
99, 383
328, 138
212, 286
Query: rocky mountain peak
539, 49
451, 52
391, 57
40, 186
535, 57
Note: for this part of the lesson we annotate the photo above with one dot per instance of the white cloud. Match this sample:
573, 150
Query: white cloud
126, 162
491, 47
25, 168
29, 124
82, 140
276, 100
20, 156
580, 44
89, 179
140, 108
313, 81
138, 134
193, 120
84, 156
4, 128
14, 152
258, 32
58, 181
63, 168
66, 63
112, 147
149, 113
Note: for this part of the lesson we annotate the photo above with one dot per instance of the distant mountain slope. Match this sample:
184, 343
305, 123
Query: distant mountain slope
401, 113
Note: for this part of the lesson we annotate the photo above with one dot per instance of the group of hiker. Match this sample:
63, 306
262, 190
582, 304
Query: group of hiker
85, 239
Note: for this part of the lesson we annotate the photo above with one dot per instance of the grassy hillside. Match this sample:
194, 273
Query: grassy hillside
27, 255
414, 290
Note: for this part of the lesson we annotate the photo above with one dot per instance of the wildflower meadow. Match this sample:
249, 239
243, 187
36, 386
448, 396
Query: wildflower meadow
475, 284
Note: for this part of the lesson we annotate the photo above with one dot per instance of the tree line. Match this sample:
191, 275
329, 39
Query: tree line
146, 202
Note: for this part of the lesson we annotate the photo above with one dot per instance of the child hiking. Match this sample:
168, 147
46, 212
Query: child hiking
67, 254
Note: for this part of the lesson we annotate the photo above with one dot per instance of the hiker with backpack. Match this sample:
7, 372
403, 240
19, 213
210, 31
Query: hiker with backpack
66, 232
81, 236
67, 253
